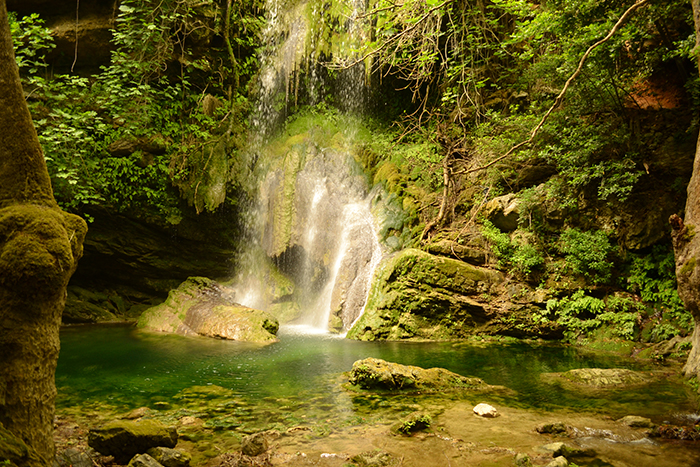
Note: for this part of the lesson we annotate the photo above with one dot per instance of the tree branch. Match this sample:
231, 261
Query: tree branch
625, 16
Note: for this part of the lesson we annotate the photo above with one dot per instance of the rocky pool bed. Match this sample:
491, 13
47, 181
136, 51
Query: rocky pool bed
301, 397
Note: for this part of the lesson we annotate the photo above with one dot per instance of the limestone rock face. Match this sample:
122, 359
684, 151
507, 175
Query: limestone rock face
503, 212
200, 306
418, 295
373, 373
123, 439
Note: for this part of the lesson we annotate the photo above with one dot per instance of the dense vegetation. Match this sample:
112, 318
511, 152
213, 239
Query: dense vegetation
463, 83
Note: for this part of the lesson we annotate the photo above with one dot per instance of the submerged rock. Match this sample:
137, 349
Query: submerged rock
416, 421
123, 439
254, 445
604, 377
373, 373
200, 306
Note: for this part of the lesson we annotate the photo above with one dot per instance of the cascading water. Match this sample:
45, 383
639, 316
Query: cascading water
313, 245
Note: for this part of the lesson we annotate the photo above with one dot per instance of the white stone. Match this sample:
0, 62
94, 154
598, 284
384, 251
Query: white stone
486, 410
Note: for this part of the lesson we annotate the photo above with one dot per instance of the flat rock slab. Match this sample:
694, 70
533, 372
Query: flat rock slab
373, 373
601, 378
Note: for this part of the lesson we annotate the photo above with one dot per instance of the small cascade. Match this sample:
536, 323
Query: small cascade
313, 247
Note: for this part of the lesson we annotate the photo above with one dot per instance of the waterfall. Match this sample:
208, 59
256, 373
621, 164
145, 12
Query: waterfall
313, 247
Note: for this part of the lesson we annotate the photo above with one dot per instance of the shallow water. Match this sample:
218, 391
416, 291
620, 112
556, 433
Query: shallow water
128, 368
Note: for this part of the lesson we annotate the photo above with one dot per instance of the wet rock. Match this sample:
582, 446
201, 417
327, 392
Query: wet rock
416, 421
485, 410
201, 306
559, 462
566, 450
123, 439
553, 428
419, 295
254, 445
170, 457
636, 422
373, 373
144, 460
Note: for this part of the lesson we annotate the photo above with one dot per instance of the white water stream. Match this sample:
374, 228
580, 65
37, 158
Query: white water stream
313, 247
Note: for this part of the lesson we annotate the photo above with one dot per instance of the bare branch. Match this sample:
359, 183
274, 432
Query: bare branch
625, 16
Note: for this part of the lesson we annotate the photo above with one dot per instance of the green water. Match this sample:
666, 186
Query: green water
127, 368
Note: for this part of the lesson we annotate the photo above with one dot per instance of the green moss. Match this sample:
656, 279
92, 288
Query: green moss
687, 268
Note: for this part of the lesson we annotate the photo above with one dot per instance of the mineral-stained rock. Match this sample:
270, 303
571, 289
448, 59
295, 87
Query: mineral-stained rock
170, 457
373, 373
123, 439
200, 306
485, 410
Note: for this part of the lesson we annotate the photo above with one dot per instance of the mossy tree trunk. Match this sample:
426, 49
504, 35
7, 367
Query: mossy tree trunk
686, 241
39, 249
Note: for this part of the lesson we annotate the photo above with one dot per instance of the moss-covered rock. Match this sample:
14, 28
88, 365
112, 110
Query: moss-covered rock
201, 306
421, 296
374, 373
123, 439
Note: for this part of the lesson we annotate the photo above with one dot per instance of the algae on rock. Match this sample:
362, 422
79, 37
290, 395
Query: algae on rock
421, 296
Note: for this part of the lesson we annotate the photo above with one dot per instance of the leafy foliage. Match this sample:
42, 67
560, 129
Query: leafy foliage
587, 253
150, 96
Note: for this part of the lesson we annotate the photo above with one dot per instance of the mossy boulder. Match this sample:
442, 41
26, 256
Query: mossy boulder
416, 295
377, 374
201, 306
123, 439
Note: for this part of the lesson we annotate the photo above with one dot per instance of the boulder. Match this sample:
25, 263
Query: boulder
373, 373
414, 422
123, 439
486, 411
201, 306
416, 295
553, 428
168, 457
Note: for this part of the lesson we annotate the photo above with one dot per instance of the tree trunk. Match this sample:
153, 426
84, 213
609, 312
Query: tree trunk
686, 241
39, 249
